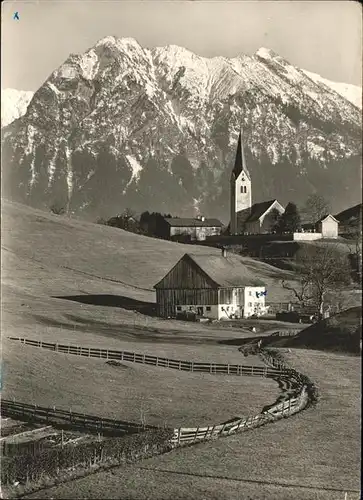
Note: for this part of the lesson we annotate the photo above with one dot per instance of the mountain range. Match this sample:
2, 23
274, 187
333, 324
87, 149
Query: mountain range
156, 129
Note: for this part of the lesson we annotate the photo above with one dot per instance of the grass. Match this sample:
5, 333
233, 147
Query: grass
339, 333
126, 392
318, 448
48, 256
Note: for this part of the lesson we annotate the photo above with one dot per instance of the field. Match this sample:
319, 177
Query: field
314, 455
69, 281
128, 392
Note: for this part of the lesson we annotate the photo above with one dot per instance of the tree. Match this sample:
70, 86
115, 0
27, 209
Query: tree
315, 208
273, 220
320, 270
289, 221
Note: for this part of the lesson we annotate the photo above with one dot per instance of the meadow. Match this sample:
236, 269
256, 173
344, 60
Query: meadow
70, 281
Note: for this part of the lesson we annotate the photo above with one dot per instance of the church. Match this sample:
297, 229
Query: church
248, 218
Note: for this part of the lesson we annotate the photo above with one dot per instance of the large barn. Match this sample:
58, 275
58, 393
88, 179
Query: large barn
210, 286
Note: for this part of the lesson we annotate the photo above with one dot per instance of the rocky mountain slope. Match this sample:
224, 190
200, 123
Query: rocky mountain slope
14, 104
156, 129
352, 93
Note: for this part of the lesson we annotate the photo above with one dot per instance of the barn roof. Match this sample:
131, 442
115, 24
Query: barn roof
258, 209
326, 216
186, 222
225, 272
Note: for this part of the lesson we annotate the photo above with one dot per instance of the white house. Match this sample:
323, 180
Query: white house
211, 286
328, 226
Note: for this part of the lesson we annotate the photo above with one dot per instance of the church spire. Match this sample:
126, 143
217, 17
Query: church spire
240, 162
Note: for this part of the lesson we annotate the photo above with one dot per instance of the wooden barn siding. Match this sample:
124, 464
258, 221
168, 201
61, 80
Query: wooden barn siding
168, 298
186, 274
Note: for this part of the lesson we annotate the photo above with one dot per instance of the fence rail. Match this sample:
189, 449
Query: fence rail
58, 417
190, 366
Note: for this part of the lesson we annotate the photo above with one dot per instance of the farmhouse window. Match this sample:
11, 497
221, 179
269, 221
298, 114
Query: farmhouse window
208, 308
178, 308
250, 304
250, 293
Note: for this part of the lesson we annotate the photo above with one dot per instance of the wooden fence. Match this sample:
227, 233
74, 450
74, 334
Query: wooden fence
68, 418
190, 366
289, 406
303, 394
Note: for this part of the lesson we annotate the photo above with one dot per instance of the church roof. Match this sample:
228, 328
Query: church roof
240, 161
258, 209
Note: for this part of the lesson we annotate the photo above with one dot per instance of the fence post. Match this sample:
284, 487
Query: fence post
179, 433
228, 368
196, 434
192, 366
179, 365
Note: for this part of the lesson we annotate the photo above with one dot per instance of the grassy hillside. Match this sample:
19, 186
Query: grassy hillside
67, 273
125, 392
341, 333
312, 456
82, 283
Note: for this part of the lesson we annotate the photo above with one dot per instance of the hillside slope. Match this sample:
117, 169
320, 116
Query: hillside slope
106, 275
340, 333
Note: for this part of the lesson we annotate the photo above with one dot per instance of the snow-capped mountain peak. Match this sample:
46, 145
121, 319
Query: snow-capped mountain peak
352, 93
14, 104
156, 129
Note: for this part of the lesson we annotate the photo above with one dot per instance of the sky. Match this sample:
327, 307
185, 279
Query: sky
320, 36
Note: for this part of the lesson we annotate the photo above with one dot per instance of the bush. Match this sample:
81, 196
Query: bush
50, 462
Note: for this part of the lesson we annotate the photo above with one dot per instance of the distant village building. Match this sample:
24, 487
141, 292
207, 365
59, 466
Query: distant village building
245, 216
327, 226
212, 286
197, 229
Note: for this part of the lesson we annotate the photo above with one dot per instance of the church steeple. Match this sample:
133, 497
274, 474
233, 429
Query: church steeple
241, 190
240, 161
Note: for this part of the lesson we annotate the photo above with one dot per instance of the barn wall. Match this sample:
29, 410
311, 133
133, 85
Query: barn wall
168, 299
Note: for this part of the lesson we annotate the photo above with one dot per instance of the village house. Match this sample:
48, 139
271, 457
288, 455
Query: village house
327, 226
197, 229
212, 286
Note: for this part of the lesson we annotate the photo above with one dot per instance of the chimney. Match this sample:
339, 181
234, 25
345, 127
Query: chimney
224, 252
